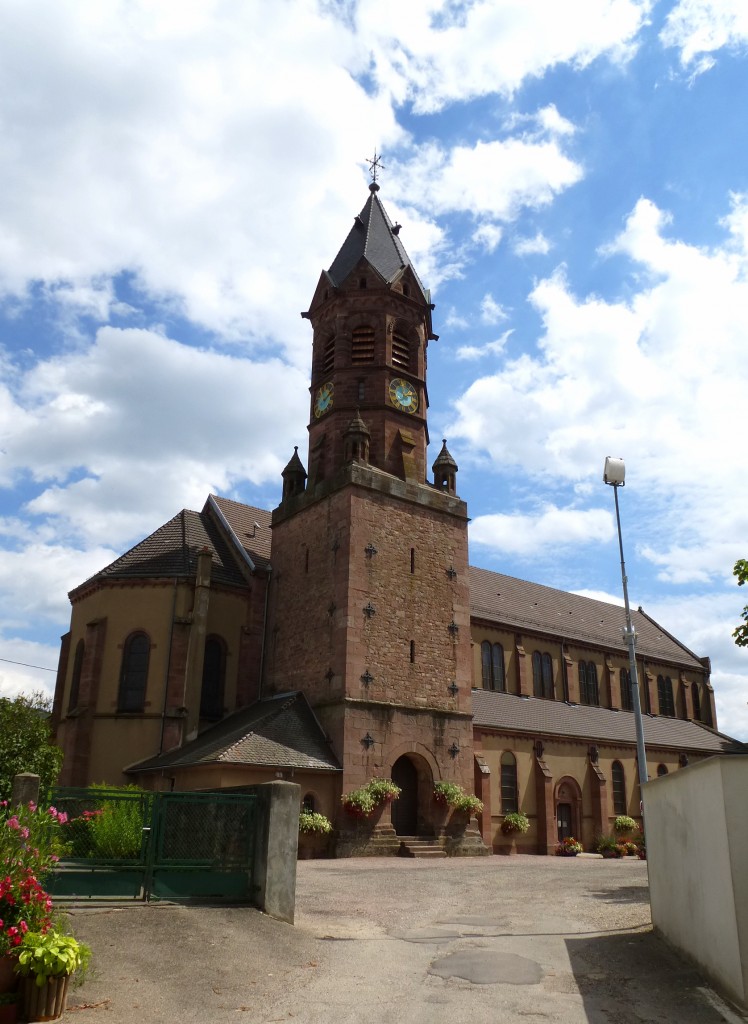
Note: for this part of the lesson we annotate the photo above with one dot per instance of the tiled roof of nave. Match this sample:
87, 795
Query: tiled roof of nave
533, 607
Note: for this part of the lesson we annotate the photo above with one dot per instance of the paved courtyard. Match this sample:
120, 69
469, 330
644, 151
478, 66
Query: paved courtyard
505, 939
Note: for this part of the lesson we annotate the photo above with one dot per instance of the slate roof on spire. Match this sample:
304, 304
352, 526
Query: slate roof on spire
372, 237
444, 458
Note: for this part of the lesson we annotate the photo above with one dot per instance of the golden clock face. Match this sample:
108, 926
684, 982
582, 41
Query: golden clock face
323, 399
403, 395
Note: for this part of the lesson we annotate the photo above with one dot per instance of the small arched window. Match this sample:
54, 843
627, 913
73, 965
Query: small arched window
542, 675
661, 770
696, 701
75, 682
627, 699
133, 678
509, 799
619, 788
328, 356
214, 673
309, 804
665, 696
492, 666
588, 689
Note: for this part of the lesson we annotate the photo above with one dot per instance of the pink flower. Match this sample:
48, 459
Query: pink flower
32, 806
23, 926
12, 822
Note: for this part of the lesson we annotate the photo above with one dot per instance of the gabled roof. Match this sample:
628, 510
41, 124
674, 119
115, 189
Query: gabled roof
534, 716
279, 731
374, 239
520, 605
171, 553
241, 520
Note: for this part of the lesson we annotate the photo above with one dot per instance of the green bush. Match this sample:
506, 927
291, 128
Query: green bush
115, 829
311, 822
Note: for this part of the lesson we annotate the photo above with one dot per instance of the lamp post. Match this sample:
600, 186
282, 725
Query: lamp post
614, 474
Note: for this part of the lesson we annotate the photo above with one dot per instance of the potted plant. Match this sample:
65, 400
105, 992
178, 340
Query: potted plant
624, 825
362, 802
314, 830
515, 822
46, 962
608, 846
568, 847
448, 794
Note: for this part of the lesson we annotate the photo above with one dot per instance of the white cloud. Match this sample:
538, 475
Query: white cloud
698, 27
495, 179
539, 245
140, 424
426, 52
657, 378
550, 527
492, 348
488, 236
490, 310
17, 671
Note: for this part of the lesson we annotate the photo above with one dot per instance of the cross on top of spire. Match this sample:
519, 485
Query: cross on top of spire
374, 166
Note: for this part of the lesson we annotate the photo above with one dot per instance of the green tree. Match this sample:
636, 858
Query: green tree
740, 633
25, 741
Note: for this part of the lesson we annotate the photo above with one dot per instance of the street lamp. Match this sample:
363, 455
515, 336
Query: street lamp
615, 475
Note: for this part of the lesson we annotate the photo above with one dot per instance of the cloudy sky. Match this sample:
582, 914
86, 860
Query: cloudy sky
572, 184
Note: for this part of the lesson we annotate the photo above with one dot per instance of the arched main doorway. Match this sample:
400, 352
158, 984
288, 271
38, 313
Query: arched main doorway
405, 808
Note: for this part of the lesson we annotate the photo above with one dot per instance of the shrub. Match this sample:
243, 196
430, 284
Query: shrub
114, 831
515, 821
469, 804
449, 793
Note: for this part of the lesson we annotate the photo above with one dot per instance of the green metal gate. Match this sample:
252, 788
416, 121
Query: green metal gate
133, 845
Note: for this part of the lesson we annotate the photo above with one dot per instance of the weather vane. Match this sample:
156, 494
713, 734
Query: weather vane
375, 165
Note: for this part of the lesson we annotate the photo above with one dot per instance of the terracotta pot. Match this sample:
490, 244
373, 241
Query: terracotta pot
45, 1002
8, 977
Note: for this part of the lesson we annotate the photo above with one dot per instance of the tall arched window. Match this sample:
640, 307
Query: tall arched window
696, 701
509, 799
665, 696
542, 675
400, 351
133, 677
588, 690
619, 788
492, 665
214, 673
627, 699
75, 682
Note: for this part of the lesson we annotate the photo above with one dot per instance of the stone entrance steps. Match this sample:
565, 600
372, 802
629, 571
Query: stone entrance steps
414, 846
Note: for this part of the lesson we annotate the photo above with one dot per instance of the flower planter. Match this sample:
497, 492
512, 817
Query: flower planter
43, 1002
8, 977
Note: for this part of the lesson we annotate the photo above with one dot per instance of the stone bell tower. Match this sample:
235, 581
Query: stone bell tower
369, 608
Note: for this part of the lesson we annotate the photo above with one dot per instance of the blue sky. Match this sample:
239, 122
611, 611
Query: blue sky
572, 185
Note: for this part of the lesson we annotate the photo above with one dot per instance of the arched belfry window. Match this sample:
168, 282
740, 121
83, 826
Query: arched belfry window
619, 788
328, 356
133, 678
214, 674
588, 689
400, 351
75, 682
492, 666
362, 346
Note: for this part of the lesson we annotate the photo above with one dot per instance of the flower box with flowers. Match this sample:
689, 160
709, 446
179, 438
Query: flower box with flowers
363, 802
568, 847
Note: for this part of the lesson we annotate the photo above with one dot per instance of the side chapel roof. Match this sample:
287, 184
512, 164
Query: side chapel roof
278, 731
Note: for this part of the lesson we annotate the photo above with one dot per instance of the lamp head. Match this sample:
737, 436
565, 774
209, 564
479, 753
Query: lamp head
614, 472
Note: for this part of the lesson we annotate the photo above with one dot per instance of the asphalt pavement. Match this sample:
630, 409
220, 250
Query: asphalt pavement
524, 939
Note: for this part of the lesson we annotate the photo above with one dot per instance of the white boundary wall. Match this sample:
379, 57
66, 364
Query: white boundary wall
697, 850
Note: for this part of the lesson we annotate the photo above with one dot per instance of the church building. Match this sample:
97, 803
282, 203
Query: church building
345, 637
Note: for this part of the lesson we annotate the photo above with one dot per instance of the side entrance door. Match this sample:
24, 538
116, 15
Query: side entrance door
563, 819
